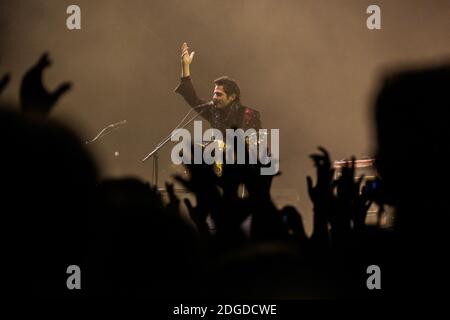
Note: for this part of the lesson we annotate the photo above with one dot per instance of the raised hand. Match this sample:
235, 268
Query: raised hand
322, 192
186, 57
203, 183
361, 208
4, 82
347, 192
353, 203
322, 197
186, 60
174, 202
34, 97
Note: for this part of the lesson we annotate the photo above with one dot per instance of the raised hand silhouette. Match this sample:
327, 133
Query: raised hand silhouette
4, 82
174, 203
203, 183
322, 196
34, 97
353, 200
322, 192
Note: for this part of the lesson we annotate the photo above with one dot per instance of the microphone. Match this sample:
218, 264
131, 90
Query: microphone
206, 104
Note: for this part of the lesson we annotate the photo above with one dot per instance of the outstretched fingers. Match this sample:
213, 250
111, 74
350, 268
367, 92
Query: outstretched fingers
321, 159
62, 89
184, 49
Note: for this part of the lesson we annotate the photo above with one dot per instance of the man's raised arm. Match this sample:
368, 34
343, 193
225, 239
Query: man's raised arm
185, 88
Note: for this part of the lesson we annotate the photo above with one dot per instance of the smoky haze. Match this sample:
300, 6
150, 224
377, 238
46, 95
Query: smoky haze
309, 67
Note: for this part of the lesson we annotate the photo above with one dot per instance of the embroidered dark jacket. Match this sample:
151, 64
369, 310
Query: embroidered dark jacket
234, 116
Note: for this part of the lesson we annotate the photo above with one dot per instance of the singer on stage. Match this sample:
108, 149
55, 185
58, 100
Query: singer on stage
227, 111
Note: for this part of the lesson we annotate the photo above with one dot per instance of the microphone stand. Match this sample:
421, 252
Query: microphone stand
107, 130
168, 138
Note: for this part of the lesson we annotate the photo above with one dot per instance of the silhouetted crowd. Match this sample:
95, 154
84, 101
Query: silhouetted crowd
129, 241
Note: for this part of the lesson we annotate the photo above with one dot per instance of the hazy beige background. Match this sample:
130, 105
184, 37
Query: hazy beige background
310, 67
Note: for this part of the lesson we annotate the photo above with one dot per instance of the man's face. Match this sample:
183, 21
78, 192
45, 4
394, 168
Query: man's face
221, 99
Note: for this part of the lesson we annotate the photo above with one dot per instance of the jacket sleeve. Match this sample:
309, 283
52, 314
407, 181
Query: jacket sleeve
187, 91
